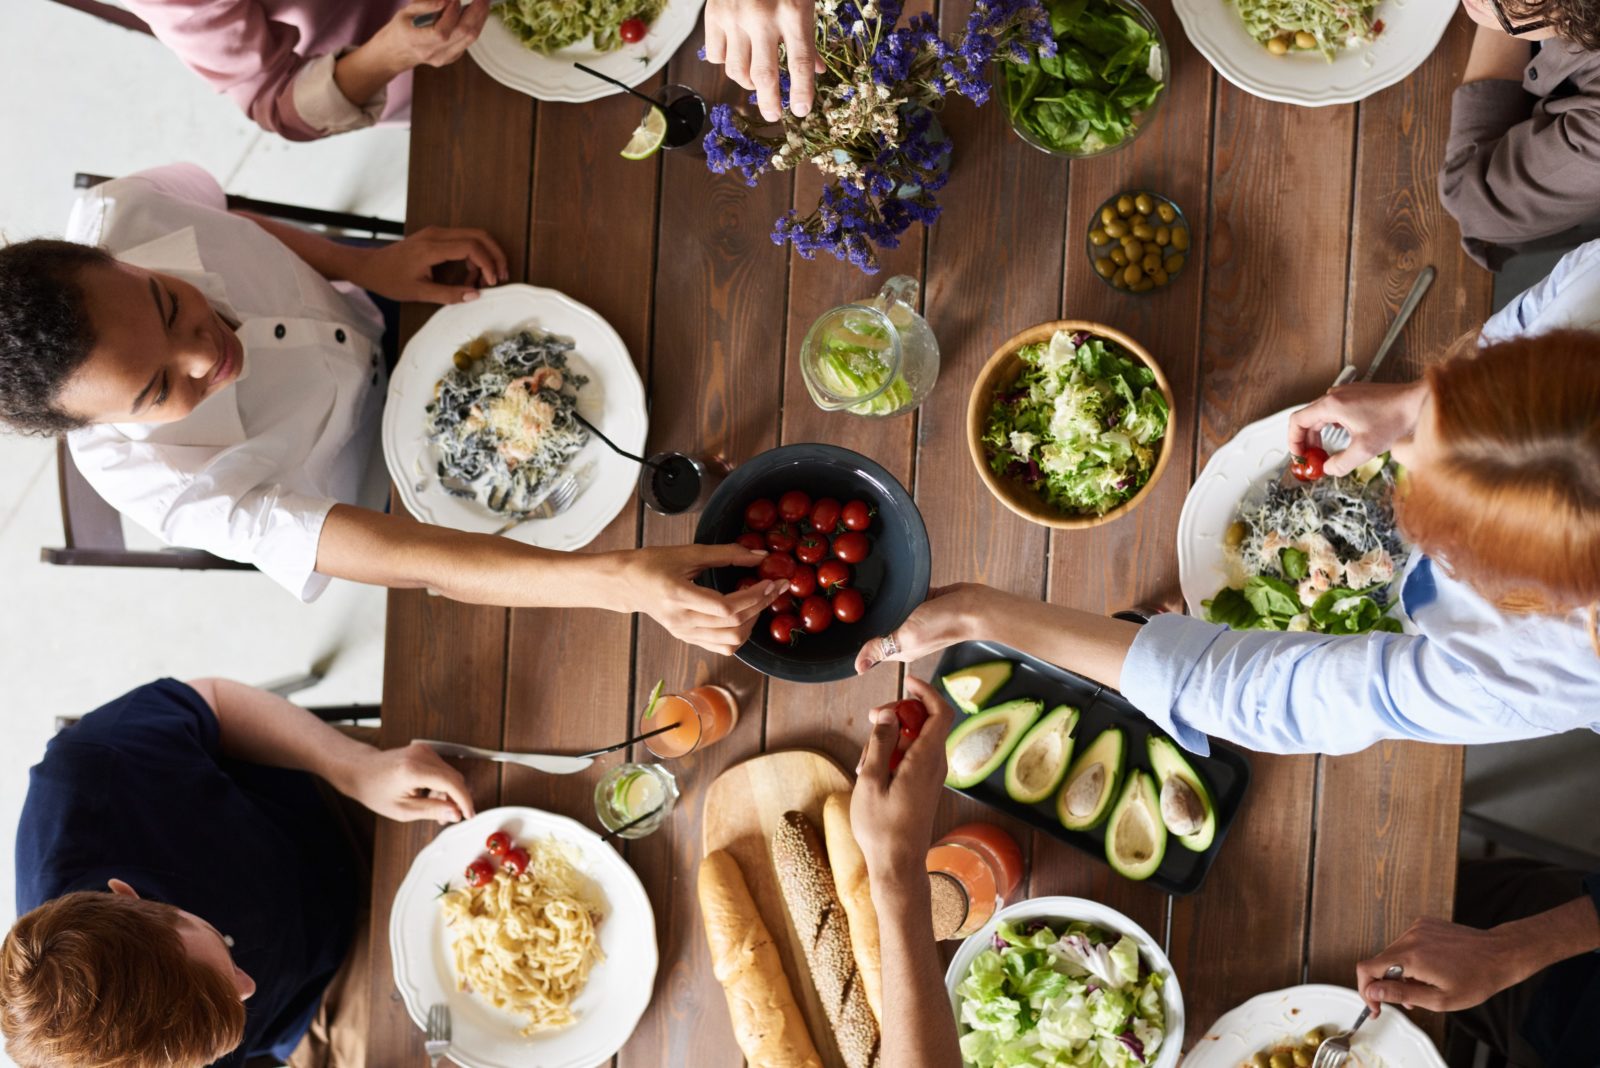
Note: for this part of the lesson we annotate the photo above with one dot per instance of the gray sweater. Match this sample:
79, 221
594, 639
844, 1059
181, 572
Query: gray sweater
1523, 161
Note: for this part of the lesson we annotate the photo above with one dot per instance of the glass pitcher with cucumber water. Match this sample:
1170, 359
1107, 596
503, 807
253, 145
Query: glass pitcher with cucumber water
876, 357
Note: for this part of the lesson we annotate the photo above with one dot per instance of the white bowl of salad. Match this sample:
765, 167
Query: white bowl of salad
1064, 981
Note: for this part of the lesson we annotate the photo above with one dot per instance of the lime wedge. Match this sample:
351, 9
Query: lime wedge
621, 788
655, 695
643, 795
648, 137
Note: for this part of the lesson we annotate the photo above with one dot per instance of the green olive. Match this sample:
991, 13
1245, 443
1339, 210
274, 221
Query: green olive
1278, 46
1314, 1037
1134, 248
1174, 264
1280, 1060
1144, 232
1117, 228
1119, 257
1144, 203
1105, 267
1124, 205
1304, 40
1139, 220
1180, 238
1144, 286
1163, 236
1233, 537
1159, 276
1132, 274
1108, 214
1260, 1061
1166, 212
1098, 236
1151, 261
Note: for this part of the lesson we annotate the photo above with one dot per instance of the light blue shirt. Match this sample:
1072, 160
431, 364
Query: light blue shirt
1471, 673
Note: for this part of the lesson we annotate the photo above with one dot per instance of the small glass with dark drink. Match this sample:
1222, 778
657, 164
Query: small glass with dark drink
674, 482
686, 113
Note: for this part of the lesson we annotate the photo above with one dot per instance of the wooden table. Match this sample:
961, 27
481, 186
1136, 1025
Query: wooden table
1309, 226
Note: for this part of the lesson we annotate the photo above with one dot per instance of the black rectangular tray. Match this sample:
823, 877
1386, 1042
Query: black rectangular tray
1226, 770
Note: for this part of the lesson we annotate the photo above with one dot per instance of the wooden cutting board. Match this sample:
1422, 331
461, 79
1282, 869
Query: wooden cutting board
742, 809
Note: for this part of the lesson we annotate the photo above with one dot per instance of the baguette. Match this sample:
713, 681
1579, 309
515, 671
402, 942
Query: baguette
855, 892
766, 1021
819, 922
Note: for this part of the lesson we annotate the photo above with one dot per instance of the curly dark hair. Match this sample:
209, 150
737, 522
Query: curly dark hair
1577, 21
45, 333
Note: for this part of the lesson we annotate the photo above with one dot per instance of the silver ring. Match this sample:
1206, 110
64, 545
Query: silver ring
891, 648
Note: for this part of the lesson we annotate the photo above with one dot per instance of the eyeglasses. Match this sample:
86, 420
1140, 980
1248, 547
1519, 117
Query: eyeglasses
1516, 31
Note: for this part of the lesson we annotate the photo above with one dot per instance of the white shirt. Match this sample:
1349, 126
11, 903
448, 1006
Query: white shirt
252, 472
1471, 673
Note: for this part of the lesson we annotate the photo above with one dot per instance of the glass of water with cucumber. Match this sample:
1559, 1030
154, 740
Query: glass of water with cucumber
638, 794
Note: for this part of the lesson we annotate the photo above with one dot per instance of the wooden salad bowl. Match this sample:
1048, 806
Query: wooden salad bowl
1000, 373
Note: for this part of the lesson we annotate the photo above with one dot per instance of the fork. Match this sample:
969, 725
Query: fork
438, 1041
1336, 1050
555, 502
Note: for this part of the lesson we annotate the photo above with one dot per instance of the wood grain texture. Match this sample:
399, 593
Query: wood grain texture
743, 808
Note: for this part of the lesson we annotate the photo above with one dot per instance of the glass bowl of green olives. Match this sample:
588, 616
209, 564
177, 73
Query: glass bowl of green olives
1138, 241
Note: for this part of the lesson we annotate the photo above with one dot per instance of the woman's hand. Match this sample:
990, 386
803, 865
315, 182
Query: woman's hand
892, 813
439, 45
660, 583
412, 783
1375, 415
403, 270
949, 615
744, 36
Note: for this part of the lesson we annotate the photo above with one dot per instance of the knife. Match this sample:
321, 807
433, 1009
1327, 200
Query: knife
547, 763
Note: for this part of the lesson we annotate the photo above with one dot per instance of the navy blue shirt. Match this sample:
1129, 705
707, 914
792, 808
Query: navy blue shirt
139, 790
1561, 1024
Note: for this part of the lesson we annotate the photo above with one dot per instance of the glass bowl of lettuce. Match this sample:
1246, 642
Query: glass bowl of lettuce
1100, 89
1064, 981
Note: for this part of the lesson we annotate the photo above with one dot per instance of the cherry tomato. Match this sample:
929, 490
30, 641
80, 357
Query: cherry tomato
777, 566
498, 843
852, 548
794, 506
752, 541
895, 757
761, 515
833, 574
849, 606
782, 539
857, 515
782, 604
825, 516
803, 583
632, 30
816, 614
480, 873
1308, 468
515, 861
811, 550
912, 715
785, 629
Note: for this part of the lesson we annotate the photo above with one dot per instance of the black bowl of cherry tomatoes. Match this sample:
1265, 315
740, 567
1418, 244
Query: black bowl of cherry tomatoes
846, 535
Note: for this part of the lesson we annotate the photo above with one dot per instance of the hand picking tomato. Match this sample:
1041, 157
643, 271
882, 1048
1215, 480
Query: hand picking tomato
498, 843
1308, 468
811, 549
480, 873
912, 714
752, 541
803, 583
825, 516
781, 539
761, 515
632, 30
785, 629
777, 566
515, 861
852, 547
833, 574
816, 614
857, 515
794, 506
849, 606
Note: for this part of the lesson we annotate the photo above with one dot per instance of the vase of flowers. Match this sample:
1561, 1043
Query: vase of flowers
873, 129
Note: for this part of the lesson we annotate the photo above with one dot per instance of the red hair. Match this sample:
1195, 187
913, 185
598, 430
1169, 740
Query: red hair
1512, 500
96, 980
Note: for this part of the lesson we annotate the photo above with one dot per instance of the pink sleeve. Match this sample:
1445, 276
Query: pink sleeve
236, 48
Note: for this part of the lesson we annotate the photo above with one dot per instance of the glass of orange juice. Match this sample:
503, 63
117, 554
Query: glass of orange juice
700, 717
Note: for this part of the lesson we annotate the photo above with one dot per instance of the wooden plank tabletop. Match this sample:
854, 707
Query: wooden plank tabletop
1308, 226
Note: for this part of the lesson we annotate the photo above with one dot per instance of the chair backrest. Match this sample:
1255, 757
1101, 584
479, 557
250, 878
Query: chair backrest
342, 221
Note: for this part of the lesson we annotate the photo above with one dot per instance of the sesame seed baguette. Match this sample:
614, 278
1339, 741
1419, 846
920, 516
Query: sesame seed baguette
819, 920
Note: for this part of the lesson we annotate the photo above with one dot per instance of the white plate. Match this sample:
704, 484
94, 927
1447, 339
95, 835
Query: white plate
1411, 31
1077, 908
619, 987
1256, 453
613, 400
1390, 1041
553, 77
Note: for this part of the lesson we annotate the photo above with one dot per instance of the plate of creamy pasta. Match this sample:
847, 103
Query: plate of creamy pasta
537, 934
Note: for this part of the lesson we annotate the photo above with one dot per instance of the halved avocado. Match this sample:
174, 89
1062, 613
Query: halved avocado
1136, 839
1090, 788
1169, 763
971, 686
981, 743
1039, 762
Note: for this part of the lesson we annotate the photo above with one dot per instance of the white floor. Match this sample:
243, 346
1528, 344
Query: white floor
102, 100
